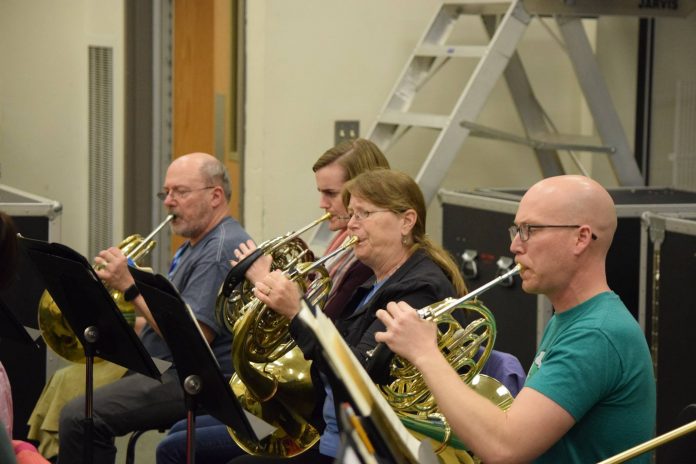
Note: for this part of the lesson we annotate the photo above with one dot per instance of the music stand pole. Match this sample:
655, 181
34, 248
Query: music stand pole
192, 387
91, 336
198, 370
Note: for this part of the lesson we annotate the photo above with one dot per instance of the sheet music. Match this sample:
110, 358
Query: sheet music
261, 428
161, 365
367, 397
35, 334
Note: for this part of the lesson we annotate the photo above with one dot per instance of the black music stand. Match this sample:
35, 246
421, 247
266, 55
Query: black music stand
92, 315
198, 370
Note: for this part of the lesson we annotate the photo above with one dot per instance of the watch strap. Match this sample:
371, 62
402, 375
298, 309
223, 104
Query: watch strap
131, 293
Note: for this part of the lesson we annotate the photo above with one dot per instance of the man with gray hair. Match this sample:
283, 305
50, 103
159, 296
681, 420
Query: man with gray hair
197, 192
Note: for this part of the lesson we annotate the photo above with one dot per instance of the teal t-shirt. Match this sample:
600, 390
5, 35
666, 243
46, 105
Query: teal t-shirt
594, 362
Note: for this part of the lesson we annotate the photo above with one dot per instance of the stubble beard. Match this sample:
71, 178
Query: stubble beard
187, 229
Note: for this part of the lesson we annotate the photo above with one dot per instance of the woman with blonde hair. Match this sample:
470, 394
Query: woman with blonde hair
387, 213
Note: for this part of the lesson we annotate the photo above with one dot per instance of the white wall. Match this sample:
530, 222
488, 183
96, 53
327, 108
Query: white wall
44, 100
312, 62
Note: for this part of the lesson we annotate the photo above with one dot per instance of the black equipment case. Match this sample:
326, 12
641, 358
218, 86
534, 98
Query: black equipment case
475, 231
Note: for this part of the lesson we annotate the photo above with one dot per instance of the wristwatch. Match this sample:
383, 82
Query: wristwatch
131, 293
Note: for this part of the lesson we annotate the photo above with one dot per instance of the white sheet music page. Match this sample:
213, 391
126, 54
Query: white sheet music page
368, 400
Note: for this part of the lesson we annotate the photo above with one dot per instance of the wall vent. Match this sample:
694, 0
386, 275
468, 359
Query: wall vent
101, 148
684, 158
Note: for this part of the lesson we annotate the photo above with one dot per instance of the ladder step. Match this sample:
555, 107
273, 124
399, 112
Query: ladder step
573, 142
480, 7
540, 141
459, 51
435, 121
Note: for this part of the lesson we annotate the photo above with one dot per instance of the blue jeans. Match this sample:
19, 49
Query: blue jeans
213, 443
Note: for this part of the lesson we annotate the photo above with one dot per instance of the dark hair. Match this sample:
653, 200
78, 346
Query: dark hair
398, 192
8, 249
355, 156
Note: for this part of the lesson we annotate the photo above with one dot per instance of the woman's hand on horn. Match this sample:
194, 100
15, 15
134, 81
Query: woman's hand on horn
279, 293
406, 333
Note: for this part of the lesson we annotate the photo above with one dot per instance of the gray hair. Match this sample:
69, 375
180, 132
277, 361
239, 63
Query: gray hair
215, 173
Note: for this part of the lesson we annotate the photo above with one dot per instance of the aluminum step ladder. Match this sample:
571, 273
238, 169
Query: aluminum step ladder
505, 22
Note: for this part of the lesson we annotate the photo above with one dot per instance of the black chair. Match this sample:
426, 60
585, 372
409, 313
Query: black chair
133, 440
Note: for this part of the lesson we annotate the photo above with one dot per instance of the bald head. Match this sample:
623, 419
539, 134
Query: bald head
197, 191
211, 170
566, 262
575, 199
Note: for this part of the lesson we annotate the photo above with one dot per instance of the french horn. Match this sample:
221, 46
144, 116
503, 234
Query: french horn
56, 331
286, 252
466, 349
272, 378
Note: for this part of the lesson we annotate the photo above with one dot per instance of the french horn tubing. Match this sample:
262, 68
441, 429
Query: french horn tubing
56, 331
236, 292
408, 393
272, 378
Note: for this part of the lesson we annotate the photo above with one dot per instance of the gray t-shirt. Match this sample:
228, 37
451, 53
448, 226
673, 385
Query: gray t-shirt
198, 273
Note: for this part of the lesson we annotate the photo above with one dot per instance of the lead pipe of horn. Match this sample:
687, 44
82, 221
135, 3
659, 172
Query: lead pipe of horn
147, 239
448, 304
236, 275
290, 235
349, 242
143, 243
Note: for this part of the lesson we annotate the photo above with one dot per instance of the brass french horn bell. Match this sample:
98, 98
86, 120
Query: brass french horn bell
56, 331
272, 378
408, 393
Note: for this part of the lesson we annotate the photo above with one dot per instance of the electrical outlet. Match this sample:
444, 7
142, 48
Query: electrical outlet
345, 130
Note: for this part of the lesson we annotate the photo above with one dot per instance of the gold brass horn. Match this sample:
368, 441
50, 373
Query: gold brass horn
236, 291
651, 444
408, 393
56, 331
272, 378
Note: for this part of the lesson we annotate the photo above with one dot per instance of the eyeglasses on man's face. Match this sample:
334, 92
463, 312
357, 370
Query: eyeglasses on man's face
178, 193
359, 215
525, 230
